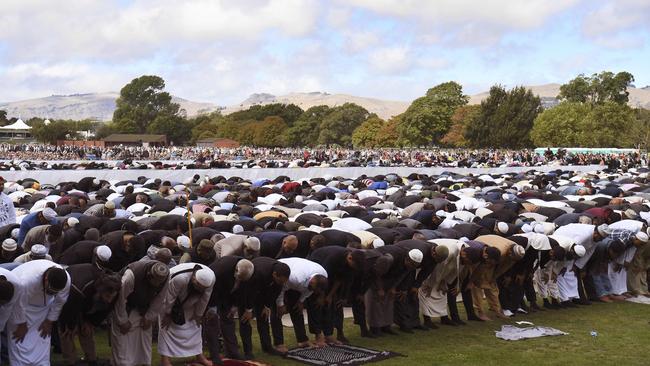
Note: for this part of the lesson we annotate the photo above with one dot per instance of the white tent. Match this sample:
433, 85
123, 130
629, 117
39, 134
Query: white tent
17, 126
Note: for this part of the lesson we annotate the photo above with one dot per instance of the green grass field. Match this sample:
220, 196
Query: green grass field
623, 339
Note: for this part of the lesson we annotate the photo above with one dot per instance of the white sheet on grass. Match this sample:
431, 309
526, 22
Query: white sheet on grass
513, 333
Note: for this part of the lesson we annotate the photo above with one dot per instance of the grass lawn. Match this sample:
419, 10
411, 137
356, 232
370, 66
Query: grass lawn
623, 339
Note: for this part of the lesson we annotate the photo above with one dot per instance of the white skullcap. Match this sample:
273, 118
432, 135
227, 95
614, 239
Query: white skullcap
252, 243
72, 221
39, 249
15, 232
642, 236
416, 255
603, 230
502, 227
527, 228
205, 277
110, 205
579, 250
464, 239
49, 214
518, 251
96, 181
375, 220
237, 229
183, 242
244, 269
441, 213
103, 253
377, 243
9, 245
299, 199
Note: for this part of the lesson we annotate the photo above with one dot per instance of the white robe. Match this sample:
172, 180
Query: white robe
433, 303
34, 307
134, 347
182, 340
8, 308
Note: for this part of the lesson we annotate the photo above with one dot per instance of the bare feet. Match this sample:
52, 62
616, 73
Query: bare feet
304, 344
333, 341
605, 299
617, 297
165, 361
282, 349
320, 341
484, 317
203, 360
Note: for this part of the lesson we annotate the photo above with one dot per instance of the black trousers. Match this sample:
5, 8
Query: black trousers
529, 290
510, 294
407, 313
246, 331
221, 326
321, 319
467, 301
297, 319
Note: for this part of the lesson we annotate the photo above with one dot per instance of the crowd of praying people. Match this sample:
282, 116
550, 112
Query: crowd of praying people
43, 156
189, 262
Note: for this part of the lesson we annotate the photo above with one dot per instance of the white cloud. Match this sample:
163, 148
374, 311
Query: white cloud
618, 24
390, 59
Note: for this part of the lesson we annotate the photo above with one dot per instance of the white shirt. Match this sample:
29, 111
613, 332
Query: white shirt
8, 308
7, 210
30, 275
302, 271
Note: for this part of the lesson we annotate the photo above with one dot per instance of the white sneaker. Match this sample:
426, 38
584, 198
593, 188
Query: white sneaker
508, 313
522, 311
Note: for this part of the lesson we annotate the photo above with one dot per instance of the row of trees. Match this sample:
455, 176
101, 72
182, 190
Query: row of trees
592, 112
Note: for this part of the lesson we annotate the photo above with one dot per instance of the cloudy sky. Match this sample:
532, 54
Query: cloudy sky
222, 51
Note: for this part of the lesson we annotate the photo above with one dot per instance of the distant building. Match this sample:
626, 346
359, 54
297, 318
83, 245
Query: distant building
135, 140
217, 142
18, 130
549, 102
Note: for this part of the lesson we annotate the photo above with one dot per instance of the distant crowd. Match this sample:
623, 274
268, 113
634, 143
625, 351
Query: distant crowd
31, 156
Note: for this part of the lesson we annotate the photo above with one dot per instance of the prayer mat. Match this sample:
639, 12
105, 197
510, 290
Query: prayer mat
338, 355
639, 300
513, 333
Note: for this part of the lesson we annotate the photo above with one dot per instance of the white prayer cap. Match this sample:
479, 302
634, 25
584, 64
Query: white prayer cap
441, 213
49, 214
72, 221
244, 270
39, 250
299, 199
603, 230
579, 250
96, 181
15, 232
237, 229
205, 277
104, 253
518, 251
110, 205
416, 255
464, 239
183, 242
642, 236
527, 228
9, 245
252, 243
378, 243
502, 227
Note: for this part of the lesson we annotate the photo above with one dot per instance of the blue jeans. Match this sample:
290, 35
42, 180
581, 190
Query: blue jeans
601, 283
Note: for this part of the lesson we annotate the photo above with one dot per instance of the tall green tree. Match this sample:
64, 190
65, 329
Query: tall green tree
3, 118
288, 112
560, 126
338, 125
505, 119
270, 132
141, 102
641, 129
306, 129
428, 118
598, 88
366, 134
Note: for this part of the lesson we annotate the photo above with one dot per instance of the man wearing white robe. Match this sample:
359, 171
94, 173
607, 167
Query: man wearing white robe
190, 286
45, 290
433, 292
581, 234
10, 292
567, 282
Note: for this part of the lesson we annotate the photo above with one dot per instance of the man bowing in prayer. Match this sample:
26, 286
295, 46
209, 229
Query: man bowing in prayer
10, 293
186, 296
137, 306
45, 289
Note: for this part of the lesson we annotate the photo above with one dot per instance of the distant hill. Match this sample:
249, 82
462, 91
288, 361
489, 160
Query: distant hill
99, 106
384, 108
